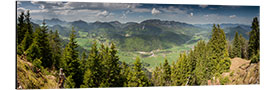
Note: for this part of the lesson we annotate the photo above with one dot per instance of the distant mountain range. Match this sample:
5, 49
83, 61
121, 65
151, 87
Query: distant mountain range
147, 35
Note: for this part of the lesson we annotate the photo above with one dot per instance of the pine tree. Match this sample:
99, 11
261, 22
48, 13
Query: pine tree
26, 42
29, 27
236, 46
83, 61
217, 48
137, 77
182, 71
254, 38
125, 71
24, 31
155, 76
243, 46
93, 76
33, 52
111, 67
201, 62
173, 74
55, 44
41, 37
166, 73
72, 62
20, 28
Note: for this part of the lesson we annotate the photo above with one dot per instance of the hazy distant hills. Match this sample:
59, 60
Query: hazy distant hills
147, 35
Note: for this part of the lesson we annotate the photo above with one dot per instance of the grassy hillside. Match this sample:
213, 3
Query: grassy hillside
28, 78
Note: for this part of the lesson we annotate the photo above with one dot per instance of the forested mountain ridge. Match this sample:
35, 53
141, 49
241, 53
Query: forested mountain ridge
153, 34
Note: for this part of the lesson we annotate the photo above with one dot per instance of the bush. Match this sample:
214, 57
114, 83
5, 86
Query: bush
37, 63
232, 73
255, 58
224, 80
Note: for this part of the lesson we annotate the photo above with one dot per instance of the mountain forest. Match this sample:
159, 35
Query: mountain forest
147, 54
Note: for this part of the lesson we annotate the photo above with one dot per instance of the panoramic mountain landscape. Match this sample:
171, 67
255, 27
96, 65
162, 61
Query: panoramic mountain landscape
84, 45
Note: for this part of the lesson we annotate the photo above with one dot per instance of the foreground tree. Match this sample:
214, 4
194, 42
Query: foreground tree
93, 75
254, 38
166, 75
137, 78
72, 64
55, 44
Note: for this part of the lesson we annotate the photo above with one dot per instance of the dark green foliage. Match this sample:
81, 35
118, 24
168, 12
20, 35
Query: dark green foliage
55, 44
37, 63
20, 28
254, 39
42, 42
29, 27
33, 51
111, 67
255, 58
200, 76
244, 46
217, 48
137, 77
72, 63
92, 77
83, 62
156, 76
182, 71
125, 71
166, 73
24, 32
236, 46
26, 42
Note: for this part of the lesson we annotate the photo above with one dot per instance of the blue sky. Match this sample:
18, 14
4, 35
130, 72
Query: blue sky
137, 12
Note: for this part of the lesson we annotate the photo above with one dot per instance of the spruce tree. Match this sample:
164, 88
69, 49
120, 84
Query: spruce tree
41, 36
72, 61
138, 77
166, 75
125, 72
93, 76
243, 46
236, 46
111, 67
26, 42
254, 38
20, 28
29, 27
33, 52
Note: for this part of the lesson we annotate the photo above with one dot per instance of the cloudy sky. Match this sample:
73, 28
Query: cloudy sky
137, 12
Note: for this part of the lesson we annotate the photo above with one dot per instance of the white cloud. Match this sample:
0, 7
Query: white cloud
140, 10
172, 9
100, 6
191, 14
155, 11
232, 16
21, 9
203, 6
104, 13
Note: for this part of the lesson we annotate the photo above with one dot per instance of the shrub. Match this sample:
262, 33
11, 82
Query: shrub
255, 58
37, 63
224, 80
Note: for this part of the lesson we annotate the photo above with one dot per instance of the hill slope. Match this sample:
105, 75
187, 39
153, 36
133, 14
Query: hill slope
27, 78
242, 72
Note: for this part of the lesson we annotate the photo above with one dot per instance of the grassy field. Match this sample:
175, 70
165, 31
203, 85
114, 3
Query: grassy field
157, 57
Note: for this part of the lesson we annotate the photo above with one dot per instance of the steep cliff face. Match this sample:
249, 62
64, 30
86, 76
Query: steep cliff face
28, 77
